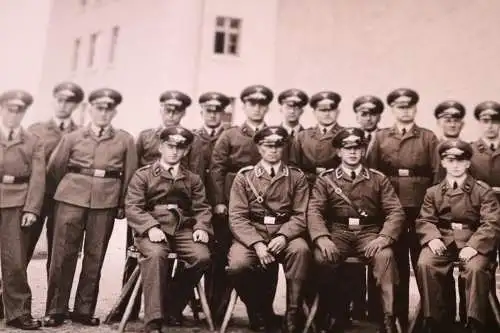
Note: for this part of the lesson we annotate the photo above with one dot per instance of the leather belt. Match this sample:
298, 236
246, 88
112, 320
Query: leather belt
356, 221
496, 189
408, 172
100, 173
455, 225
9, 179
269, 220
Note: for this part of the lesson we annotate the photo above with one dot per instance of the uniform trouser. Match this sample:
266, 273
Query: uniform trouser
407, 243
13, 243
352, 243
244, 265
432, 276
47, 218
70, 224
218, 286
154, 264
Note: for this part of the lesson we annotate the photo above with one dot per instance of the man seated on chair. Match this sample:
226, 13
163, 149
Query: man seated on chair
168, 211
354, 211
267, 216
459, 221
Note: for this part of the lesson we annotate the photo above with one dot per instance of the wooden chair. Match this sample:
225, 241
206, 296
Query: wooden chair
134, 283
492, 299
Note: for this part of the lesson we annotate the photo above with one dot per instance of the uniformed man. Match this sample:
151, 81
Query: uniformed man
234, 150
22, 186
292, 103
485, 162
312, 150
267, 216
91, 167
459, 221
218, 288
173, 105
355, 211
368, 110
168, 211
406, 153
67, 97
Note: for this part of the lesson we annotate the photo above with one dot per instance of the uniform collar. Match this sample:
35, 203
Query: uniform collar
67, 122
279, 169
360, 170
466, 186
460, 181
166, 167
408, 128
488, 142
328, 128
5, 131
97, 129
295, 129
267, 166
210, 129
254, 128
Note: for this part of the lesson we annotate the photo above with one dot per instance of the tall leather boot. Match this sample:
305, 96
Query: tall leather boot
389, 324
245, 285
294, 319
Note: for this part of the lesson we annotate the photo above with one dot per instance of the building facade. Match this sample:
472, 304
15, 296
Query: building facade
443, 49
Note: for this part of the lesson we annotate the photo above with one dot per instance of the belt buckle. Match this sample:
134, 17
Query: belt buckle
496, 189
269, 220
320, 170
172, 206
8, 179
403, 172
99, 173
456, 226
353, 222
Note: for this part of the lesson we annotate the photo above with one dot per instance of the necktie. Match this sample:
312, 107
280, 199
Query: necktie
403, 131
61, 126
272, 173
455, 185
492, 147
292, 133
11, 135
212, 133
171, 171
101, 131
353, 174
369, 137
324, 131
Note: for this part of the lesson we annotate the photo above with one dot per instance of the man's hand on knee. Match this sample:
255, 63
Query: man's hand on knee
467, 253
373, 247
200, 236
277, 244
265, 257
328, 249
437, 246
156, 235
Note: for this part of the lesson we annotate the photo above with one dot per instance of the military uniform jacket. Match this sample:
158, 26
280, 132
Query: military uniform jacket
233, 150
410, 162
286, 193
312, 150
287, 150
50, 135
370, 191
114, 151
207, 146
473, 204
148, 143
485, 165
152, 188
22, 157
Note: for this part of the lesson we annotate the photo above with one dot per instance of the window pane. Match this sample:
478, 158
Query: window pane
219, 21
76, 52
233, 44
92, 49
115, 32
235, 23
219, 42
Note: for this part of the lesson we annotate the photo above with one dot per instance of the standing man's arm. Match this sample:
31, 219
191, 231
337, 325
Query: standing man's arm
218, 168
59, 160
36, 185
201, 208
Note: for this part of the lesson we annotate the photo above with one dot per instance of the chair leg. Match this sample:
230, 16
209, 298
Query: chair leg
130, 304
495, 306
123, 296
413, 322
229, 311
312, 314
204, 305
306, 310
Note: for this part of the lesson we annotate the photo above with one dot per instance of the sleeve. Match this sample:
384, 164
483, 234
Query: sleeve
484, 240
58, 162
373, 156
239, 219
297, 223
130, 166
316, 223
426, 223
218, 167
435, 160
394, 214
139, 146
201, 208
294, 152
36, 185
135, 202
195, 161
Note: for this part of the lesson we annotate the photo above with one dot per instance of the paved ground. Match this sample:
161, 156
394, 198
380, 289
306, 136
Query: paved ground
110, 288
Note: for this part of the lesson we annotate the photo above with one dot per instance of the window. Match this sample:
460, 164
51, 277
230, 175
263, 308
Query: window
115, 32
227, 35
93, 46
76, 52
227, 116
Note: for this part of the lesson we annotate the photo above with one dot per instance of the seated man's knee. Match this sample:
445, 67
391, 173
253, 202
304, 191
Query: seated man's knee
239, 260
202, 257
155, 251
385, 255
425, 260
299, 248
476, 265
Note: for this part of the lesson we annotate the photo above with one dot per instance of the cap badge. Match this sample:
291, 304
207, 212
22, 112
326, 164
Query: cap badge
177, 138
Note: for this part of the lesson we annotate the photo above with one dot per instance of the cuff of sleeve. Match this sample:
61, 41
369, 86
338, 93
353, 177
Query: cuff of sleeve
31, 210
427, 238
145, 227
315, 238
389, 238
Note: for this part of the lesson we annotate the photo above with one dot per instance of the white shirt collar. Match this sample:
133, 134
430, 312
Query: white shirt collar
66, 122
328, 128
495, 142
175, 168
295, 129
254, 128
406, 127
210, 129
5, 131
267, 166
459, 181
347, 171
97, 129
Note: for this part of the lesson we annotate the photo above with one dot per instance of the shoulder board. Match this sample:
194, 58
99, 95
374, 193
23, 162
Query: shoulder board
197, 130
149, 130
483, 184
376, 172
327, 171
299, 170
144, 167
245, 169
